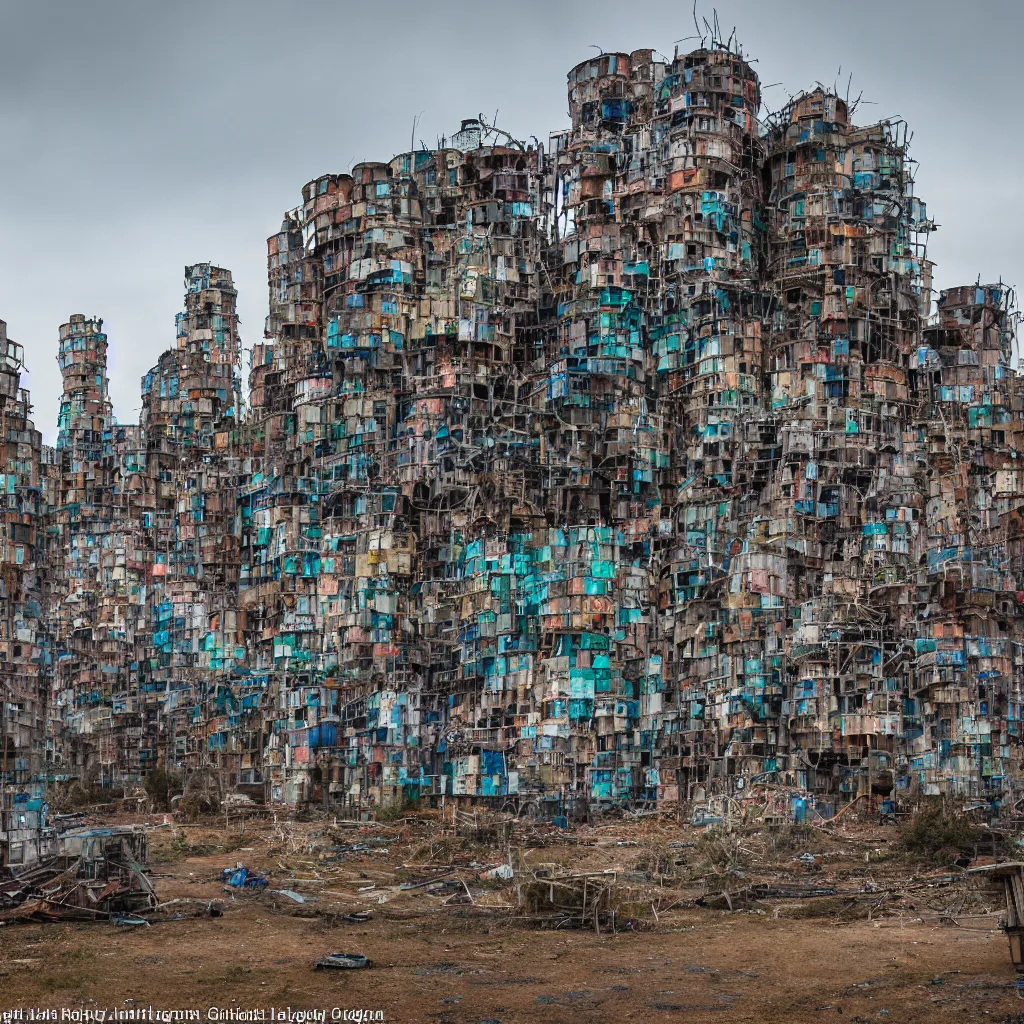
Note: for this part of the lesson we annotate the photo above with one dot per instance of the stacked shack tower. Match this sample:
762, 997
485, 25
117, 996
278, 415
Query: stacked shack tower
633, 468
851, 287
190, 417
88, 672
25, 655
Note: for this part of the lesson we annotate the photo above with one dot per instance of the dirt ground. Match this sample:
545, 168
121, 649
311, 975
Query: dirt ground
768, 960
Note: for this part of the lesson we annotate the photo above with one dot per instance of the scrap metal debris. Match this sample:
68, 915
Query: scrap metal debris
96, 878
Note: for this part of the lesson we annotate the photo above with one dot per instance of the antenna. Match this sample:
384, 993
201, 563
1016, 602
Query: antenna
700, 35
412, 134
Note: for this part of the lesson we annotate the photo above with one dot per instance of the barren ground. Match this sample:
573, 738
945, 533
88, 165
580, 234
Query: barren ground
775, 960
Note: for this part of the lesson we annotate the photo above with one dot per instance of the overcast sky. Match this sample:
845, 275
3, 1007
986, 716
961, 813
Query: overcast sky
140, 135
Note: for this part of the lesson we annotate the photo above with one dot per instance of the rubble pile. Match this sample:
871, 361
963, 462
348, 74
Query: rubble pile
95, 874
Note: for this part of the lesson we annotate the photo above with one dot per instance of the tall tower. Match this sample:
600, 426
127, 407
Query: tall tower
207, 333
82, 523
850, 279
85, 410
191, 407
23, 656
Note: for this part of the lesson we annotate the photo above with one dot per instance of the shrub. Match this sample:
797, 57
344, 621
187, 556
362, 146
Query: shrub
390, 812
160, 786
81, 793
940, 834
202, 795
